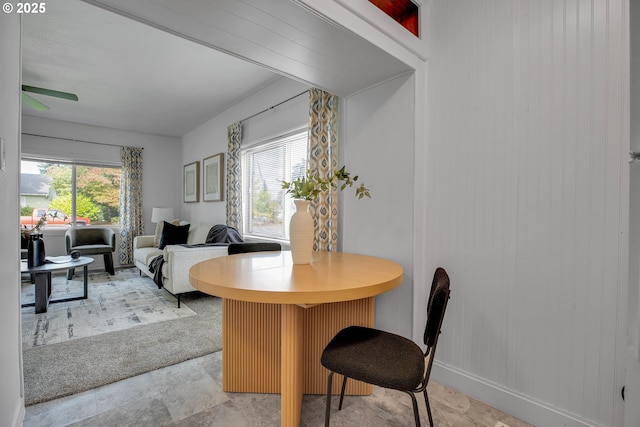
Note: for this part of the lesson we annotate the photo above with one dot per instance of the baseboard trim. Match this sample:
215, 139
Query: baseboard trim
20, 413
515, 404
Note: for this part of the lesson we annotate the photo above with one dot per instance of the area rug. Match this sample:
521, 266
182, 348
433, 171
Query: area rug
114, 302
73, 366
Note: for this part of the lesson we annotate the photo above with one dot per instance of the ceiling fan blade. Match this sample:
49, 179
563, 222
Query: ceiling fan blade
36, 105
50, 92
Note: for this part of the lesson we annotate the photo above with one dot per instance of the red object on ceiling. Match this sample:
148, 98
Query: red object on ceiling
405, 12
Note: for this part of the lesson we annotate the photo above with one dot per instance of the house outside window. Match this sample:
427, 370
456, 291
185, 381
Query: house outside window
68, 192
266, 208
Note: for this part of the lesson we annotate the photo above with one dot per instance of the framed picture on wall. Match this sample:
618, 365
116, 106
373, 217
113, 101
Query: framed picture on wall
213, 178
192, 182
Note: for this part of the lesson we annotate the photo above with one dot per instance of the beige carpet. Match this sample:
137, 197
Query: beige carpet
130, 340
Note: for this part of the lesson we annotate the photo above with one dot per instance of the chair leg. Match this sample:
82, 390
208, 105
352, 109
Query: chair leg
344, 386
108, 263
70, 273
416, 413
327, 413
426, 401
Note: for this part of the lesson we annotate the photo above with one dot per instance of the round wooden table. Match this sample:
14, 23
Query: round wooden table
278, 317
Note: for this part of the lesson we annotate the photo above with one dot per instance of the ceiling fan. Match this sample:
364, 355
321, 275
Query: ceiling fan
39, 106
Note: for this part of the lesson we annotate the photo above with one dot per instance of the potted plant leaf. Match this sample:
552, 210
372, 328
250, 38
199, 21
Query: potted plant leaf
305, 189
26, 232
35, 244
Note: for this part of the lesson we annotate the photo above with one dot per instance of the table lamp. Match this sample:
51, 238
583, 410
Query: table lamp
161, 214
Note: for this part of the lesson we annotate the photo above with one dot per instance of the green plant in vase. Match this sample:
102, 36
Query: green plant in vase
309, 186
305, 189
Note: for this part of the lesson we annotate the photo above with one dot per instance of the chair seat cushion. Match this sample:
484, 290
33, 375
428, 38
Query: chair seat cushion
375, 357
92, 249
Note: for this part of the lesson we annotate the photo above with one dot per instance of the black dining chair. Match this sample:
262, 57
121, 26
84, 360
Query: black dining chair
385, 359
241, 248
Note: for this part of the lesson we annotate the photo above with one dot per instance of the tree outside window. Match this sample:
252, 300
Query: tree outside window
48, 185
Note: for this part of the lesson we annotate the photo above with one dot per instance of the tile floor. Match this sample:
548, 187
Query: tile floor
190, 394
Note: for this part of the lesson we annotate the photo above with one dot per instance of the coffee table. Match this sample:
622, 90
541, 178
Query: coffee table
42, 275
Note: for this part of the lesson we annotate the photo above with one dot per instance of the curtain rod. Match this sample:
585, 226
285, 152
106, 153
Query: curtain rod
76, 140
274, 106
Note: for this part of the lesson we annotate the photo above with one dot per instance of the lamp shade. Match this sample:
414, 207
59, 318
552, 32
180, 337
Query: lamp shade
161, 214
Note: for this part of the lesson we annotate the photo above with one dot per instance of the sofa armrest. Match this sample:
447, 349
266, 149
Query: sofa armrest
143, 242
179, 260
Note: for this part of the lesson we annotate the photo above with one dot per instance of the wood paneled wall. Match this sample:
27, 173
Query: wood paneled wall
526, 193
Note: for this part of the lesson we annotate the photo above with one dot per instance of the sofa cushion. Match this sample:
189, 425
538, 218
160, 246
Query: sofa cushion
198, 233
159, 228
173, 234
146, 254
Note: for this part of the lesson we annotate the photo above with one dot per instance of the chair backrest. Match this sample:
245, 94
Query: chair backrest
241, 248
89, 236
436, 307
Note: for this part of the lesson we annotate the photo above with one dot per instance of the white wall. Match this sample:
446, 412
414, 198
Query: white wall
527, 194
211, 137
377, 143
161, 168
11, 394
632, 378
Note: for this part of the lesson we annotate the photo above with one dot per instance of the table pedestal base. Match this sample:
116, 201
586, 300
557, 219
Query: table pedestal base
273, 348
291, 363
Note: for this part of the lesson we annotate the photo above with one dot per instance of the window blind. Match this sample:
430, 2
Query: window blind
267, 209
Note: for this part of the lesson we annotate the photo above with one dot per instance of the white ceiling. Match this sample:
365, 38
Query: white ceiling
128, 75
139, 69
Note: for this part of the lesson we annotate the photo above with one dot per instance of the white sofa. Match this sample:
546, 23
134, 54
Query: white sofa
177, 259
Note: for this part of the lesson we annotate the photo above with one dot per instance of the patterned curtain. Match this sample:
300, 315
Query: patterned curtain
131, 212
323, 159
234, 177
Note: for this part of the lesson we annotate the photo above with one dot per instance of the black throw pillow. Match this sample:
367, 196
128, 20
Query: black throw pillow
173, 234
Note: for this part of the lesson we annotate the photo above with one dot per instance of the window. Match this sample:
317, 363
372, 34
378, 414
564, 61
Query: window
266, 208
62, 192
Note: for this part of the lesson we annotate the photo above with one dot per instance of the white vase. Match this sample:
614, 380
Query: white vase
301, 233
